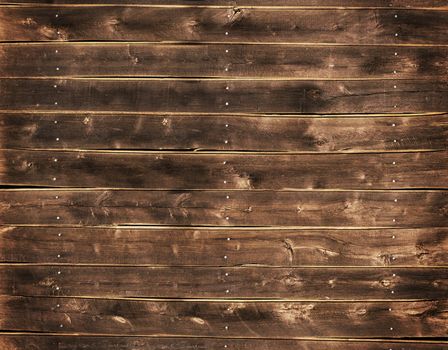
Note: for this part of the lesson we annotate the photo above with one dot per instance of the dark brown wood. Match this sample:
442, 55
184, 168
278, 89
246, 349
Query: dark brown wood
241, 208
201, 247
225, 282
251, 96
327, 224
225, 319
125, 23
224, 171
206, 132
440, 4
45, 342
219, 60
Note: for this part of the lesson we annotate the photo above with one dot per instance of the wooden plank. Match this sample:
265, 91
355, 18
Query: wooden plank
201, 247
226, 282
225, 319
438, 4
156, 170
218, 60
45, 342
231, 208
205, 132
125, 23
202, 96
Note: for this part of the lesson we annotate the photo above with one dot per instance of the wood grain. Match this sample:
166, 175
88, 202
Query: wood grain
206, 132
219, 60
243, 319
207, 247
45, 342
242, 208
202, 96
224, 171
125, 23
225, 282
312, 214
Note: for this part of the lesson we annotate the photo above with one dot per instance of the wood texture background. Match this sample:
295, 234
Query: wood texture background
223, 174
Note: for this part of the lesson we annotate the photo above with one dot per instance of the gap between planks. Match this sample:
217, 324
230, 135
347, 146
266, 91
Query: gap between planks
196, 43
207, 228
203, 152
236, 6
417, 340
27, 188
186, 42
225, 114
230, 7
127, 77
238, 266
227, 300
215, 78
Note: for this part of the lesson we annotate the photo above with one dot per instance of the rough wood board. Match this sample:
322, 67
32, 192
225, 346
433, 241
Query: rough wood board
225, 282
242, 208
125, 23
204, 96
224, 171
220, 60
201, 247
225, 319
46, 342
206, 132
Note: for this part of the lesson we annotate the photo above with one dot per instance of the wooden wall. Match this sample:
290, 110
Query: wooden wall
246, 174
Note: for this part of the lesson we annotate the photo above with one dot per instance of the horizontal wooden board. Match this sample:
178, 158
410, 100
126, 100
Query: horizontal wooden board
225, 282
218, 96
241, 208
124, 23
219, 60
206, 132
225, 319
439, 4
45, 342
207, 247
224, 171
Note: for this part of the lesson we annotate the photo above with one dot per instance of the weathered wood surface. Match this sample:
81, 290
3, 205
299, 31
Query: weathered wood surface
438, 4
205, 132
68, 342
347, 242
212, 60
241, 208
127, 23
207, 247
197, 95
225, 282
225, 319
224, 171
